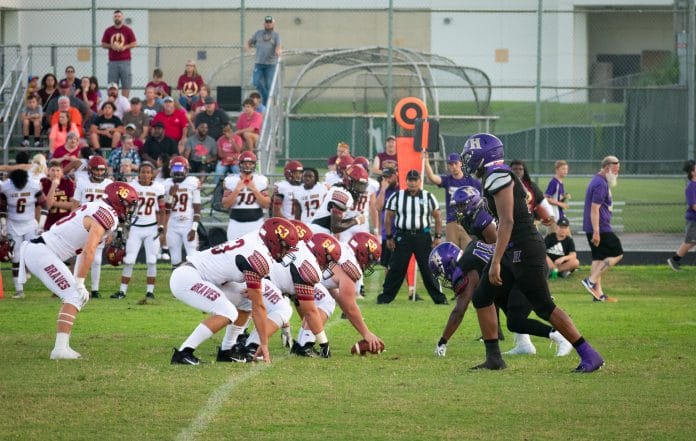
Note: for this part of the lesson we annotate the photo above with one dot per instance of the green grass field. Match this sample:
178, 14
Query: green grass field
125, 388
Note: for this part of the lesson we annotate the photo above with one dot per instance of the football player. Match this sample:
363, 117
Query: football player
89, 190
19, 199
59, 191
183, 209
336, 176
338, 284
148, 226
284, 192
82, 231
246, 196
309, 195
246, 260
331, 216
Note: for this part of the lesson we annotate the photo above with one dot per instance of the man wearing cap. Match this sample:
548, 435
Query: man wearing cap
214, 117
267, 44
137, 118
121, 102
416, 215
64, 90
158, 144
454, 232
560, 250
176, 123
119, 39
387, 158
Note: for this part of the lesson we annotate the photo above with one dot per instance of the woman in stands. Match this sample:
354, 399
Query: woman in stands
59, 131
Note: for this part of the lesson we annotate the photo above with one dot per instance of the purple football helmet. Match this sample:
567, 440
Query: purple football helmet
481, 149
466, 201
443, 262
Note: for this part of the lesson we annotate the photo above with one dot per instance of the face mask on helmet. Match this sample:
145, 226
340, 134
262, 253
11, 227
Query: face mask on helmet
367, 251
280, 237
178, 172
443, 261
247, 167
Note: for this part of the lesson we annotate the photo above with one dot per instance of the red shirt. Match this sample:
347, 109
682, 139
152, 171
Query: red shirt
189, 86
254, 121
123, 35
228, 150
65, 156
174, 124
64, 192
161, 86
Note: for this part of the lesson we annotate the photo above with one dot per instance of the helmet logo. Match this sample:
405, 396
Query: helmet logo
328, 245
123, 193
475, 143
371, 246
282, 232
301, 232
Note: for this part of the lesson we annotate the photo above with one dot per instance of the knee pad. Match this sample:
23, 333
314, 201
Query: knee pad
127, 270
151, 269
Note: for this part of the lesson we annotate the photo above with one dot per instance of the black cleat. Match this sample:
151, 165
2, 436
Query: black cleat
118, 295
303, 351
224, 355
150, 296
185, 356
238, 354
491, 363
95, 295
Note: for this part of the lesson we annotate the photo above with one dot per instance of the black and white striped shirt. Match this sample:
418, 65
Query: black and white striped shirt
412, 212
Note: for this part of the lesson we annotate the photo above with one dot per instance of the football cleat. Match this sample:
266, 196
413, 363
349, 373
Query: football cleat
676, 266
150, 296
95, 294
590, 360
185, 356
118, 295
65, 354
491, 363
224, 355
563, 346
523, 346
325, 350
440, 350
303, 351
18, 295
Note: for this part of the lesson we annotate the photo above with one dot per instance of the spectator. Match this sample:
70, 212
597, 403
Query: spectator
249, 125
176, 123
68, 152
121, 103
161, 88
119, 39
48, 91
555, 192
75, 115
200, 150
59, 131
199, 105
674, 262
32, 86
268, 47
385, 159
216, 118
137, 117
342, 149
88, 93
64, 91
454, 231
258, 105
152, 105
128, 151
596, 223
561, 257
72, 79
107, 128
130, 130
229, 146
536, 203
410, 211
158, 144
31, 116
59, 191
189, 84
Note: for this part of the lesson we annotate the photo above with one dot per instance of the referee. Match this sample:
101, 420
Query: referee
411, 210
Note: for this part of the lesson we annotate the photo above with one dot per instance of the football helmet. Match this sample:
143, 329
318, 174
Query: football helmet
115, 253
342, 164
6, 249
480, 150
363, 162
367, 251
325, 248
443, 262
280, 237
293, 172
303, 231
466, 201
247, 162
178, 168
123, 198
355, 180
96, 168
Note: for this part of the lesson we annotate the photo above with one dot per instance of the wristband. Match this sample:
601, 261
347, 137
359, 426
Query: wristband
321, 338
194, 226
438, 236
80, 281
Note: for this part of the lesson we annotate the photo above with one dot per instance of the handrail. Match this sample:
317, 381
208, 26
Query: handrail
10, 103
266, 129
7, 78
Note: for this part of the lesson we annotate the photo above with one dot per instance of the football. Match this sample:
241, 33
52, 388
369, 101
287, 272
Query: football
362, 348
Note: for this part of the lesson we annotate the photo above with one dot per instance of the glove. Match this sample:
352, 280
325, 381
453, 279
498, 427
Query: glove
286, 336
324, 350
81, 290
440, 350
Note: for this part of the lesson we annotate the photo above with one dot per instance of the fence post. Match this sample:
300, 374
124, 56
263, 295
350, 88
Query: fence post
54, 58
537, 113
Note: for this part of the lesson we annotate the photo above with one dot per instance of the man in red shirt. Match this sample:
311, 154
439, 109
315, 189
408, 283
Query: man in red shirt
59, 191
176, 123
249, 125
119, 39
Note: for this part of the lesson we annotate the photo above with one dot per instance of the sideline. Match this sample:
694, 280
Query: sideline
200, 424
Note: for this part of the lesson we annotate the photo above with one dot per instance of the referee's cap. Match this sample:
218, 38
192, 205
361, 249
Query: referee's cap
412, 175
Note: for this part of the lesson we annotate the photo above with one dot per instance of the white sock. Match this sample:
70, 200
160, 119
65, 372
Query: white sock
198, 336
253, 338
231, 334
19, 287
151, 287
124, 288
62, 340
305, 336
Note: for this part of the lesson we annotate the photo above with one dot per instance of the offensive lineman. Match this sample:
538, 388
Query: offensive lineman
246, 196
146, 230
183, 208
331, 217
83, 231
87, 190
